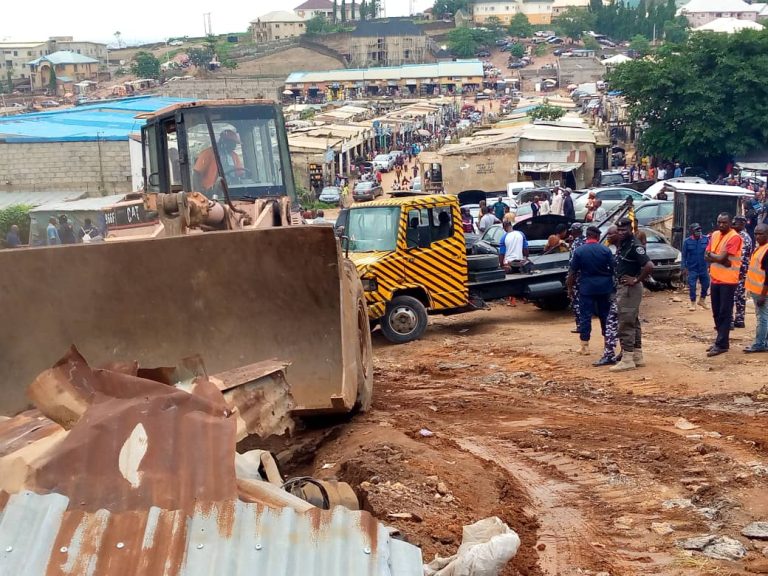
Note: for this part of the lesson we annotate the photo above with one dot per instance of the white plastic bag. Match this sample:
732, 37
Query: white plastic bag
485, 549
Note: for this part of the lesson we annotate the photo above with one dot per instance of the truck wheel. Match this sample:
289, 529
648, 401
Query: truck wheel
404, 320
482, 262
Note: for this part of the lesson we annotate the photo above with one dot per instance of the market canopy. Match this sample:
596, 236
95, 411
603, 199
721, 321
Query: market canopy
618, 59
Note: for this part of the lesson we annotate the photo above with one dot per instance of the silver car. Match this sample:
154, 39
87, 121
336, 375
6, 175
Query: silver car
611, 198
330, 195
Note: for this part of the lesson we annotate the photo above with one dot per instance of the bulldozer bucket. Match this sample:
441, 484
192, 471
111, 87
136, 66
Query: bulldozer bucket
235, 298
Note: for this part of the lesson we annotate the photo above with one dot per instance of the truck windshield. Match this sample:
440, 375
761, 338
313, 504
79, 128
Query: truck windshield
373, 229
249, 149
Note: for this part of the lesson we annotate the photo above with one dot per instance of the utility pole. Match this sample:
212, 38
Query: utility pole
207, 24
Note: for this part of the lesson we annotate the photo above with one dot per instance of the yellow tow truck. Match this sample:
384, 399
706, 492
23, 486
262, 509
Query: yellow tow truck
411, 255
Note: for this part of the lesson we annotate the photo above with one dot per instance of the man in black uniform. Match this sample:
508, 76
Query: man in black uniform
633, 267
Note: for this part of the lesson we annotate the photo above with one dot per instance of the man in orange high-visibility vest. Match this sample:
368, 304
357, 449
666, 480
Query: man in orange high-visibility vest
724, 256
757, 286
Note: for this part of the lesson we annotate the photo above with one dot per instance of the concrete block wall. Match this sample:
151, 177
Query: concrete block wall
98, 168
266, 87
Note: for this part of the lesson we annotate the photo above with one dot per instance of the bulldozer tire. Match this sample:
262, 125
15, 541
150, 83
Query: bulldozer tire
404, 320
482, 262
364, 347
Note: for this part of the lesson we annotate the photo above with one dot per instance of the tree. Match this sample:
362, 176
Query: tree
363, 10
676, 31
546, 111
53, 86
343, 11
686, 109
352, 14
493, 23
520, 27
640, 44
590, 43
517, 50
335, 11
200, 57
573, 21
462, 42
145, 65
442, 7
18, 215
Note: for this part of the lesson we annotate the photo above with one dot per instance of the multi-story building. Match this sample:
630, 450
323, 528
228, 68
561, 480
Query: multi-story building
391, 42
277, 25
17, 55
700, 12
537, 11
62, 69
312, 8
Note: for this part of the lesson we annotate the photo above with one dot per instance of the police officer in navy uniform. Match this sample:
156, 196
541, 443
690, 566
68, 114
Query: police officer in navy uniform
633, 266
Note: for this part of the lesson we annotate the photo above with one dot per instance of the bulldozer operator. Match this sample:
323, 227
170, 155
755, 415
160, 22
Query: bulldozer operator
205, 170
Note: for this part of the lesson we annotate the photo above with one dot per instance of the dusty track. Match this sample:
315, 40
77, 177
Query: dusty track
579, 461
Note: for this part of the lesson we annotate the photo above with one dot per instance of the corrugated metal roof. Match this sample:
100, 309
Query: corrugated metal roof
35, 198
85, 204
64, 57
459, 68
109, 120
223, 538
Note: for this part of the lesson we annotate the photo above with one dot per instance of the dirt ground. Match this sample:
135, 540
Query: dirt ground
587, 466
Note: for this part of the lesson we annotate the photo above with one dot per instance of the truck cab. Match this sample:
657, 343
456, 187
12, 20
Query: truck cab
411, 257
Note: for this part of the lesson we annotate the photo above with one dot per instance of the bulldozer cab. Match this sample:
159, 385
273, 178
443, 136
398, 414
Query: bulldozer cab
234, 150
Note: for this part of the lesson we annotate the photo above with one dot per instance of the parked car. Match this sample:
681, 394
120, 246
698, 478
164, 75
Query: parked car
697, 171
608, 178
515, 65
330, 195
416, 184
49, 104
665, 258
483, 54
383, 162
395, 154
611, 198
367, 191
555, 40
558, 51
648, 212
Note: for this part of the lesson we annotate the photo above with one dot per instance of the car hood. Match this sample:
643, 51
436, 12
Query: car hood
658, 251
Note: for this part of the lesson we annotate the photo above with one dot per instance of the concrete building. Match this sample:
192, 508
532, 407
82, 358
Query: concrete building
312, 8
560, 6
729, 25
277, 25
700, 12
87, 149
490, 159
64, 69
17, 55
537, 11
391, 42
412, 80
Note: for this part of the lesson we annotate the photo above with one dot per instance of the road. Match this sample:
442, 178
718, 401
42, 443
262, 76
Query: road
587, 466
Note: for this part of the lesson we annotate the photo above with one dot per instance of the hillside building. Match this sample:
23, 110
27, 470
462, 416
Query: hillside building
701, 12
17, 55
277, 25
392, 42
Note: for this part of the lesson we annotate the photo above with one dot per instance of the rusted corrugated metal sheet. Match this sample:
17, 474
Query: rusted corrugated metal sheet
40, 534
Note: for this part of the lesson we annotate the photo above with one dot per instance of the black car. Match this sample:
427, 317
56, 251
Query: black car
483, 54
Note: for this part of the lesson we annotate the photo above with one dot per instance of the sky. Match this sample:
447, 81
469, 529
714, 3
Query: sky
144, 20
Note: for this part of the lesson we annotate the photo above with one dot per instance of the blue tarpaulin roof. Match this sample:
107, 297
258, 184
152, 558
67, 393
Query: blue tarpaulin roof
112, 120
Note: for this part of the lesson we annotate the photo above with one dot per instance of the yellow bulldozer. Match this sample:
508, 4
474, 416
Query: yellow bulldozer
212, 259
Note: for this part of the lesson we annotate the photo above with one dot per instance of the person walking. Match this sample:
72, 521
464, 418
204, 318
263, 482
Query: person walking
487, 219
594, 264
611, 339
577, 239
740, 299
52, 233
568, 209
757, 285
724, 256
12, 239
498, 208
632, 268
557, 202
694, 268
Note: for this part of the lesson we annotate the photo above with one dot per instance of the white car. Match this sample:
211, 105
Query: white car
654, 189
383, 162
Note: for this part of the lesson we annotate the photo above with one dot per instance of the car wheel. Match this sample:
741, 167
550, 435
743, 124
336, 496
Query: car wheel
404, 320
553, 303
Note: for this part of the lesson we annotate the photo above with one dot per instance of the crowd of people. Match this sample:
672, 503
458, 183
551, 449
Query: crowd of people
606, 280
